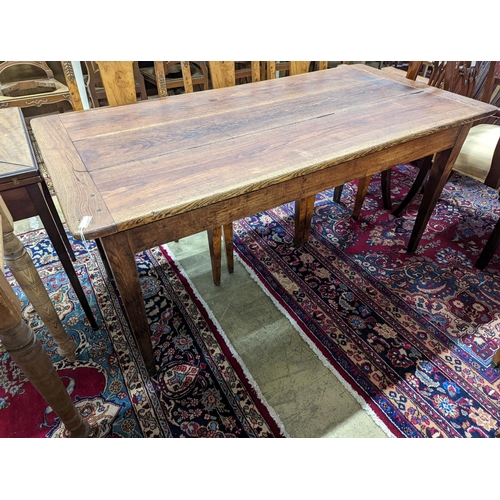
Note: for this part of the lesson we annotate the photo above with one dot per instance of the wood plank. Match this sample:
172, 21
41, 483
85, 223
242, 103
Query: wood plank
75, 188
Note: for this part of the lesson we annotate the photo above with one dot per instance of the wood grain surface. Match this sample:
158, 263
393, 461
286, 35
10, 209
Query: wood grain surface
135, 164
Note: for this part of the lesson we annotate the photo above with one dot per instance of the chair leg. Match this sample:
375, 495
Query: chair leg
386, 189
228, 242
214, 245
337, 193
363, 185
489, 249
53, 210
417, 184
104, 258
50, 226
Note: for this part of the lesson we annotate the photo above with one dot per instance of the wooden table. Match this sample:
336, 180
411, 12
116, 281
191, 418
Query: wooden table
158, 170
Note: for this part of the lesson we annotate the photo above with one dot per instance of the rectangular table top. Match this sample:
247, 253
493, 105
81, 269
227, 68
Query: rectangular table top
129, 165
16, 155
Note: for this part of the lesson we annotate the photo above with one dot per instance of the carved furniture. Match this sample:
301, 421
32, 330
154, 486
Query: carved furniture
37, 88
172, 76
18, 339
26, 195
193, 162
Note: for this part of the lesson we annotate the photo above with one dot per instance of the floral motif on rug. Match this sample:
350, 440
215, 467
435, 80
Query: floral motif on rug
412, 335
201, 388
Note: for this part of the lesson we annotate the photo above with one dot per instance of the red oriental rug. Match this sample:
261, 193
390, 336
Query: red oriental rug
411, 336
202, 388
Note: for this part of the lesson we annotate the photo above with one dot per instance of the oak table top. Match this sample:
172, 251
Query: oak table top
157, 170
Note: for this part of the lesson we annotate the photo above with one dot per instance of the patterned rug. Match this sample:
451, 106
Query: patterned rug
201, 390
411, 336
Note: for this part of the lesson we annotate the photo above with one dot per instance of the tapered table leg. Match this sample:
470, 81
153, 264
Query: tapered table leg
23, 269
126, 275
304, 210
215, 246
363, 185
27, 352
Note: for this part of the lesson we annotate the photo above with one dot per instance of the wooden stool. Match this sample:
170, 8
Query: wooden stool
26, 195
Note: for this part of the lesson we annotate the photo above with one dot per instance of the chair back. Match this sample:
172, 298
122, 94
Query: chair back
118, 80
165, 76
291, 68
224, 73
26, 84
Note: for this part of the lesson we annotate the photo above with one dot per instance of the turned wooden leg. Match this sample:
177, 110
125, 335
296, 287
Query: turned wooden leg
121, 259
215, 246
304, 210
229, 244
23, 269
438, 175
27, 352
363, 185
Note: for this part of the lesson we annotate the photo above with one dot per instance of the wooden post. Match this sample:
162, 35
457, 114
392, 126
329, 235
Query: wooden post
22, 267
27, 352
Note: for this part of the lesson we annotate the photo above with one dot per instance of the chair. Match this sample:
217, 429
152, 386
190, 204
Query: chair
95, 88
18, 339
455, 76
412, 74
479, 156
25, 193
36, 86
172, 80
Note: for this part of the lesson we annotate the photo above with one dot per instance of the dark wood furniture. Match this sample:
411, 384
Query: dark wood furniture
162, 169
26, 195
18, 339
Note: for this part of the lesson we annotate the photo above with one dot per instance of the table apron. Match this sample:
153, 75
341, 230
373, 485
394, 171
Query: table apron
177, 226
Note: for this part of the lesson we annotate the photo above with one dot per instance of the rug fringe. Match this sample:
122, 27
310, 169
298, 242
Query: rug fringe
221, 332
316, 351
